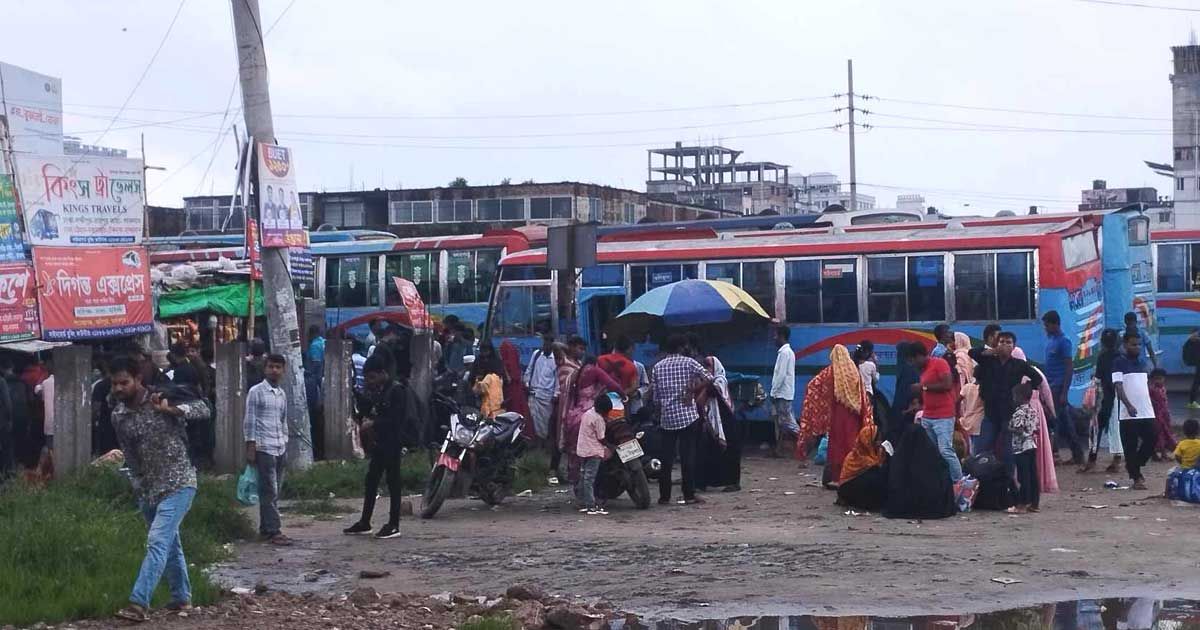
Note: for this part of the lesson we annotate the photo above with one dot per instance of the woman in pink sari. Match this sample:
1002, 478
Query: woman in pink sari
1043, 406
587, 382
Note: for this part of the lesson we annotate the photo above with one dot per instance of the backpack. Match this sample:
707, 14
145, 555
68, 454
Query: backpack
1191, 352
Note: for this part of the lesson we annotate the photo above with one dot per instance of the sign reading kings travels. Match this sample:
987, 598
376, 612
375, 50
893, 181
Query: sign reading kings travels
72, 201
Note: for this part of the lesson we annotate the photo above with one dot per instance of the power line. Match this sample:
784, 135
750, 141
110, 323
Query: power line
1140, 5
973, 193
585, 114
1114, 132
968, 126
1014, 110
145, 71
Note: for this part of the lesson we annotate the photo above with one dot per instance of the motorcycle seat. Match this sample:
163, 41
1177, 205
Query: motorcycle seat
508, 418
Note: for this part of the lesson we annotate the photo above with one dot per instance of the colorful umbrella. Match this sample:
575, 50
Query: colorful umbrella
688, 303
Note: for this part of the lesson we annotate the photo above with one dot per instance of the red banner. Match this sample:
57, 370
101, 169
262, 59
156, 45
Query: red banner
93, 292
18, 303
253, 250
417, 314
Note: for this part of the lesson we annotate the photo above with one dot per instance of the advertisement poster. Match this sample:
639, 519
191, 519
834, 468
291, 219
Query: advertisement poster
32, 105
18, 303
253, 250
12, 245
282, 223
93, 292
75, 201
413, 304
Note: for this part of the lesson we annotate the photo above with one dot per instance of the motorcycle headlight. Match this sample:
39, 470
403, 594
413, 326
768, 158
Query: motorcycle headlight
463, 435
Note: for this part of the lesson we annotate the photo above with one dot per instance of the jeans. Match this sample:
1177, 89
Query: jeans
1030, 490
1138, 438
941, 432
585, 488
685, 439
164, 551
382, 463
270, 480
1064, 428
993, 438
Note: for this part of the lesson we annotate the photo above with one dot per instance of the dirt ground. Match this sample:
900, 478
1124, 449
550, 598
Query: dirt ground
778, 547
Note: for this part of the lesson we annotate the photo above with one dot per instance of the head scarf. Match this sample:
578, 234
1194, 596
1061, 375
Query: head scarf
906, 375
962, 349
847, 383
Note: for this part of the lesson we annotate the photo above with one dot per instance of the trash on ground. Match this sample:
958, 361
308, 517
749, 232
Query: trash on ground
525, 493
1005, 581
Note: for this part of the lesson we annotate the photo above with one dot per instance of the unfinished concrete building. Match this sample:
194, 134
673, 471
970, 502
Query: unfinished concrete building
711, 176
1185, 101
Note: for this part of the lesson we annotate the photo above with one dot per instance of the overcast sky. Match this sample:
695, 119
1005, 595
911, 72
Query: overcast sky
545, 90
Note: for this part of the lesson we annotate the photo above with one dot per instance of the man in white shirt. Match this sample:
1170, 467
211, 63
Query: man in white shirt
541, 381
1135, 412
783, 391
265, 430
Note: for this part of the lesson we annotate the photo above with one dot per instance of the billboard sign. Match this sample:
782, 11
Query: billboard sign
12, 244
282, 223
18, 303
73, 201
32, 105
93, 292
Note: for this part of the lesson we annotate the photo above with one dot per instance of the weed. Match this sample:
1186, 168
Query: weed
492, 622
533, 469
344, 479
316, 507
73, 549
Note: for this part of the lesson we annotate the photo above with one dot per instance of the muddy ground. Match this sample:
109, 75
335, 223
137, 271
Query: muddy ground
779, 545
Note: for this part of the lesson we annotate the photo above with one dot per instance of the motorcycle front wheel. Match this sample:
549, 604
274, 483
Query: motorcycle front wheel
441, 480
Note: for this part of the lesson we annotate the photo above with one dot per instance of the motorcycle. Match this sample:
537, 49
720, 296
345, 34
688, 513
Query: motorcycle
483, 450
626, 469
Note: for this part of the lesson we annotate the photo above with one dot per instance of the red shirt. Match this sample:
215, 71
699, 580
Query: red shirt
620, 368
937, 404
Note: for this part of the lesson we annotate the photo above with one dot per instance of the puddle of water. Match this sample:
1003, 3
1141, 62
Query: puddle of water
1088, 614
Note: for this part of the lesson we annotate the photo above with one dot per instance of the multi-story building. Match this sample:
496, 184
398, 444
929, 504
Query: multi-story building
73, 145
460, 209
710, 176
1185, 113
817, 191
1101, 197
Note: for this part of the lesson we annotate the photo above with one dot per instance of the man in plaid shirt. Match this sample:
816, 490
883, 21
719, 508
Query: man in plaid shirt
674, 381
266, 433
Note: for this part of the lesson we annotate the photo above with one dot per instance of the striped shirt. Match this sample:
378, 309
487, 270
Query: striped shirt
265, 422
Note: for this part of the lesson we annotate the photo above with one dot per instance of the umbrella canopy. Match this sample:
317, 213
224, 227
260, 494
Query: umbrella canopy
688, 303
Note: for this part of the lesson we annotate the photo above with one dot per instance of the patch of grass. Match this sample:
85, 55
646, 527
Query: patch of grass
491, 622
533, 469
73, 549
316, 507
345, 478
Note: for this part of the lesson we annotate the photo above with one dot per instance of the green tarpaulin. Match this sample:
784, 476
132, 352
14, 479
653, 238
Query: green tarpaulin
225, 299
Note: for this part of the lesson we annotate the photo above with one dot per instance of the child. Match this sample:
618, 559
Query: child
1165, 442
1187, 452
591, 451
1023, 427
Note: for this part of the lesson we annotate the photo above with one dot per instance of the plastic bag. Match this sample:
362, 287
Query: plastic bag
822, 450
247, 486
965, 491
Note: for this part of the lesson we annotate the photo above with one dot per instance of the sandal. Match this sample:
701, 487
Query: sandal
178, 607
134, 613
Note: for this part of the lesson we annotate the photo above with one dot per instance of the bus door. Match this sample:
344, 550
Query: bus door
598, 306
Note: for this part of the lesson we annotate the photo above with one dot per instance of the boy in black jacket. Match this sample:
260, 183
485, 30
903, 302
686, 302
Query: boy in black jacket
387, 431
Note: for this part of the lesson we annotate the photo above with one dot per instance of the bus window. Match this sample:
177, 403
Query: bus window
521, 311
524, 272
604, 276
758, 279
421, 269
725, 272
927, 288
906, 289
1139, 231
975, 287
1079, 249
1014, 286
470, 274
886, 298
989, 287
1176, 273
642, 278
821, 291
348, 283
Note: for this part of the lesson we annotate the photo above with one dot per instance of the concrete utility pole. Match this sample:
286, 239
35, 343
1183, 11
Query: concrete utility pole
280, 298
850, 106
